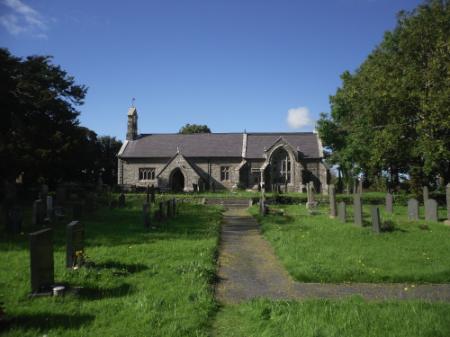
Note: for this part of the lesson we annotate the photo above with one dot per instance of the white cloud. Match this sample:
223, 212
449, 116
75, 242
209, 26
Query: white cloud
23, 19
298, 118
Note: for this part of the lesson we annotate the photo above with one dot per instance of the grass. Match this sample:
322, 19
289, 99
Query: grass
315, 248
143, 283
319, 318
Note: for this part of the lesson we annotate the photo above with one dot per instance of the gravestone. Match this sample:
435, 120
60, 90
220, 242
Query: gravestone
147, 194
425, 194
413, 209
146, 214
77, 210
389, 201
152, 194
121, 200
61, 195
311, 203
342, 212
360, 186
169, 208
250, 202
357, 210
37, 213
431, 210
49, 207
213, 185
376, 223
75, 244
332, 198
43, 196
447, 196
14, 219
41, 261
174, 206
162, 211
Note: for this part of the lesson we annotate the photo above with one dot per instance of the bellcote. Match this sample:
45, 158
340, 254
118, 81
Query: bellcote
132, 131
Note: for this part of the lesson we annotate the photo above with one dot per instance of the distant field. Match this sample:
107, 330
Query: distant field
315, 248
154, 283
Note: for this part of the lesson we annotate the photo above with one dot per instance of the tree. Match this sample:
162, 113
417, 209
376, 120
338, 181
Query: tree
391, 116
194, 128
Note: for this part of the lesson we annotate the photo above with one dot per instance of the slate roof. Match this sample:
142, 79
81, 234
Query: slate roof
216, 145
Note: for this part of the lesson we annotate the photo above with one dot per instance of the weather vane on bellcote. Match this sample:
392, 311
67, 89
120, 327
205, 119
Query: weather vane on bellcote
132, 102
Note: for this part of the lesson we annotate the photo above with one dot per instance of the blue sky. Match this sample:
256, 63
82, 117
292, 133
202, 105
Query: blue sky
232, 65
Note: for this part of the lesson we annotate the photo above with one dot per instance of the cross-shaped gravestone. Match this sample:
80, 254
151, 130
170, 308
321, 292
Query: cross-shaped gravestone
332, 198
389, 201
431, 210
376, 223
41, 261
357, 210
75, 244
342, 213
413, 209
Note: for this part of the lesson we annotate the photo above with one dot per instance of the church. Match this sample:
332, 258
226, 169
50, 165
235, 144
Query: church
283, 161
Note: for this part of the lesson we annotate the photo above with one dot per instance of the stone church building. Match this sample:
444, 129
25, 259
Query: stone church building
214, 161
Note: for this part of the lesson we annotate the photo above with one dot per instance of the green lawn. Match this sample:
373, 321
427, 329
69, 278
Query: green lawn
156, 283
315, 248
338, 318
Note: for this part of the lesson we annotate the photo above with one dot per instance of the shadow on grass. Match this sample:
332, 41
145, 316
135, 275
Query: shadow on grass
95, 293
120, 268
46, 321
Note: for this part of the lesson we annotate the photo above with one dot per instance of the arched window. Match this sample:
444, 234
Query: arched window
281, 166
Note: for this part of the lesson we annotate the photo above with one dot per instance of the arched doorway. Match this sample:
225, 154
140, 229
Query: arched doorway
278, 172
177, 180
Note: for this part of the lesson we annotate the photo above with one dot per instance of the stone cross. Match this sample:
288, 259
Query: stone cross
376, 223
310, 193
389, 201
425, 194
75, 244
357, 210
332, 198
342, 213
146, 214
413, 209
41, 260
262, 207
121, 200
431, 210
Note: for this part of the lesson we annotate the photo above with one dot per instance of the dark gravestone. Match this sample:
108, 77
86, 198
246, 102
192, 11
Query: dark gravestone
342, 213
332, 198
431, 210
38, 213
49, 207
357, 210
389, 202
41, 261
174, 206
75, 244
152, 194
14, 219
61, 195
43, 196
147, 192
376, 225
413, 209
121, 200
162, 211
213, 187
146, 214
447, 195
425, 194
169, 208
77, 210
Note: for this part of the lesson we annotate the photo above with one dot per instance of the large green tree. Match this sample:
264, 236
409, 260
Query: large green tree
391, 116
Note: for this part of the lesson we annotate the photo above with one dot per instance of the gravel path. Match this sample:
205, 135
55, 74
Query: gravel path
248, 269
